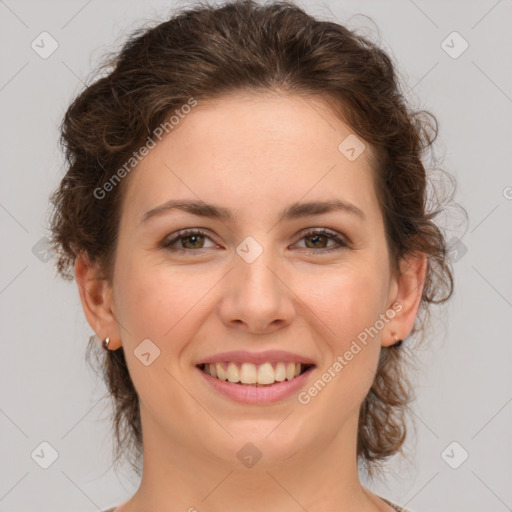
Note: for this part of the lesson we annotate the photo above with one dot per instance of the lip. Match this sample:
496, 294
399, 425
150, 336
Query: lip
257, 395
269, 356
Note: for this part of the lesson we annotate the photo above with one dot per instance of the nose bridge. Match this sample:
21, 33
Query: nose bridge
257, 297
254, 265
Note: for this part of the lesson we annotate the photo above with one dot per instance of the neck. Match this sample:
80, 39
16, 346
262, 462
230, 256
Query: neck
316, 478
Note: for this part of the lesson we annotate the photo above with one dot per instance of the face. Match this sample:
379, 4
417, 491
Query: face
272, 280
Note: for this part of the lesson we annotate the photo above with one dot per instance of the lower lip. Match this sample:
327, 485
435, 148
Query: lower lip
258, 395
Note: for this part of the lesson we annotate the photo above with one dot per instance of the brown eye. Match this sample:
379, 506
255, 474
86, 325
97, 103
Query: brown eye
193, 241
190, 240
318, 240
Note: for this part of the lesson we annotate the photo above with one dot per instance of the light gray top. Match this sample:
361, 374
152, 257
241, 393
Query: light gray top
398, 508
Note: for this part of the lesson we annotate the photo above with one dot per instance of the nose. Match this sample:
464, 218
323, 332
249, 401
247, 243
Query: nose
257, 297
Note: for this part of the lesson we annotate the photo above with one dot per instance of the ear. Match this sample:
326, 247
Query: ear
405, 296
96, 297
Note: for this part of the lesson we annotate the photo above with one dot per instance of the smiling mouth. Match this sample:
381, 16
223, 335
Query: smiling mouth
248, 374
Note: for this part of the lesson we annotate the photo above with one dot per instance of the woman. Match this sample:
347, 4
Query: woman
244, 212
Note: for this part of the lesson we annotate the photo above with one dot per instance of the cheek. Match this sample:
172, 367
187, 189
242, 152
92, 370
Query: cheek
159, 304
347, 307
162, 303
347, 301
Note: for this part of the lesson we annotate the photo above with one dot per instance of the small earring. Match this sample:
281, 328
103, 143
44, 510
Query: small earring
397, 341
105, 343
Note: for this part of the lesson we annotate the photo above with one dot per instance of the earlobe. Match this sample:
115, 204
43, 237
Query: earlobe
408, 291
95, 295
397, 342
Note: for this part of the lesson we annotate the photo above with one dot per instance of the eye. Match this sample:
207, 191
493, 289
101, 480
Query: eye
320, 237
191, 240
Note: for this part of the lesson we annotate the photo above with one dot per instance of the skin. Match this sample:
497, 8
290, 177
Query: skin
254, 154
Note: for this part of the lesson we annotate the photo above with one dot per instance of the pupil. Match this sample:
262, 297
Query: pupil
189, 237
316, 237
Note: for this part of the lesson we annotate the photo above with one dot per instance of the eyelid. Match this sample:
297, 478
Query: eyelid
332, 235
339, 238
183, 233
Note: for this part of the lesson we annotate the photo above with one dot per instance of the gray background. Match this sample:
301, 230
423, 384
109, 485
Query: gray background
464, 393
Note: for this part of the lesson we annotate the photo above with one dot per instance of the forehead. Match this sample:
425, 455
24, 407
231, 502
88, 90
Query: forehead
249, 149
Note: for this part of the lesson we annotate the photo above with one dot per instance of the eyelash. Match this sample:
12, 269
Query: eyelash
191, 232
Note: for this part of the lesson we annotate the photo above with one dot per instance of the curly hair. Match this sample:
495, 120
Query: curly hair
206, 52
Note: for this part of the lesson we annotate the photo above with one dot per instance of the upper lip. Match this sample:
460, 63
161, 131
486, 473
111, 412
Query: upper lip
269, 356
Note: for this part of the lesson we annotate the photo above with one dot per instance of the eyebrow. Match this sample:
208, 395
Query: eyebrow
294, 211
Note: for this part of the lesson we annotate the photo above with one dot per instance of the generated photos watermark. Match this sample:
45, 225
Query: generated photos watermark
167, 126
342, 360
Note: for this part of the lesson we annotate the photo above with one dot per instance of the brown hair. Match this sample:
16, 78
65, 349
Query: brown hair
207, 51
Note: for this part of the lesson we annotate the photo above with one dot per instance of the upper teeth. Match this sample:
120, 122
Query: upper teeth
249, 373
